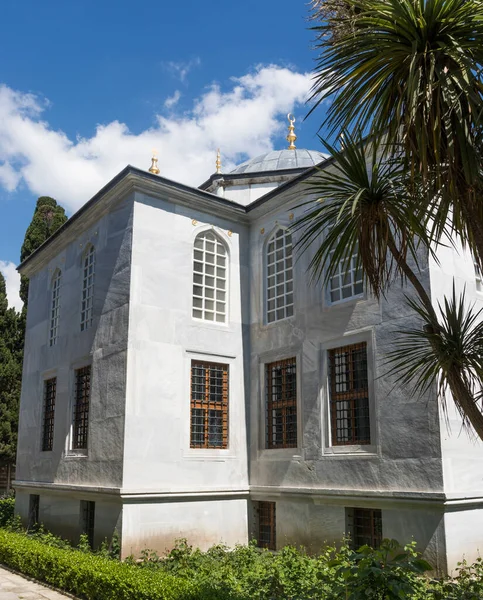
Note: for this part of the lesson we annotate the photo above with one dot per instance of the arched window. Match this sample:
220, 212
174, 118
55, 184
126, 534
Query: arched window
55, 307
209, 278
279, 292
88, 270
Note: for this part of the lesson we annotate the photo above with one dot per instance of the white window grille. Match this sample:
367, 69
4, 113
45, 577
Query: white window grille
279, 276
347, 281
478, 277
55, 308
89, 262
209, 278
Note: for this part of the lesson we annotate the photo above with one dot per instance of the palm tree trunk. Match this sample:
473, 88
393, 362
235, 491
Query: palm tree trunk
462, 395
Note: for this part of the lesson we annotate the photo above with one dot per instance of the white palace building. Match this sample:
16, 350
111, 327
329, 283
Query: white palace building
179, 379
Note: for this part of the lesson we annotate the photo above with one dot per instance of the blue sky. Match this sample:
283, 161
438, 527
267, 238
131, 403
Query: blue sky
87, 87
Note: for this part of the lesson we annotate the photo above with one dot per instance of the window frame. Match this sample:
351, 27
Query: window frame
374, 536
48, 419
266, 516
74, 447
201, 319
282, 405
88, 520
208, 405
478, 277
328, 448
353, 297
265, 272
55, 287
87, 311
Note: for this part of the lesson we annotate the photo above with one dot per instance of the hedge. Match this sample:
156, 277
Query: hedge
91, 576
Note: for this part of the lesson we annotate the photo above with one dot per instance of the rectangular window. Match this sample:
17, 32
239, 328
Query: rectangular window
266, 525
209, 405
365, 527
34, 504
55, 308
88, 511
88, 272
347, 281
50, 391
81, 407
281, 404
349, 395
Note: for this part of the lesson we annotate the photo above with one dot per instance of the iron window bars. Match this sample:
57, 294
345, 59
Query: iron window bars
50, 392
349, 395
209, 405
81, 407
281, 404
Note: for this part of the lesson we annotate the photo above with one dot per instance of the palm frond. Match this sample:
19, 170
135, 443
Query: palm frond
362, 209
445, 353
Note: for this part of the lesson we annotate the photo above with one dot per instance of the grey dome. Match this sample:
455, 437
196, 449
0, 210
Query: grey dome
278, 160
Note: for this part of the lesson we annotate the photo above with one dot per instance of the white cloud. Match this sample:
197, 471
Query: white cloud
172, 100
12, 282
242, 120
181, 69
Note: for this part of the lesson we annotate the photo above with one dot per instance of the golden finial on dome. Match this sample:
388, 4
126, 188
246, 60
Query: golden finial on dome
291, 137
154, 164
218, 161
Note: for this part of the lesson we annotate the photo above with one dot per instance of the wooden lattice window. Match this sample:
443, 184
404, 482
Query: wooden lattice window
88, 512
88, 272
365, 527
50, 392
349, 395
266, 525
281, 404
81, 407
209, 405
55, 308
279, 286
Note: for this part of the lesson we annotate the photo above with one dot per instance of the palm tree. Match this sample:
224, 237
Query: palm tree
364, 205
412, 70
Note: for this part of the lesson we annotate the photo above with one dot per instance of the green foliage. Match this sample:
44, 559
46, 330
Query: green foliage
7, 509
91, 576
10, 376
48, 217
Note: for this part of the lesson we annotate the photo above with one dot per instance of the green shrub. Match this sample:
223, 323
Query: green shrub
91, 576
7, 508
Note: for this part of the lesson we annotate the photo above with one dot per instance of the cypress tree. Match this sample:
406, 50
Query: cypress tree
11, 350
48, 217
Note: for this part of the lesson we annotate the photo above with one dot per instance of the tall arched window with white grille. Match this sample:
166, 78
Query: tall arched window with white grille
210, 278
279, 280
55, 307
88, 271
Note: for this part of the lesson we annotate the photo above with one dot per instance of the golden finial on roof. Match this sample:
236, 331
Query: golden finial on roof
154, 164
291, 137
218, 161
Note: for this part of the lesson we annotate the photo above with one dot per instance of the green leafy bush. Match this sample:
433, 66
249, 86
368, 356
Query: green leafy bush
91, 576
7, 508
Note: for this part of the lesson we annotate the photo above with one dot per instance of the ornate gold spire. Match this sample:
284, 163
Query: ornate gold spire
291, 137
154, 164
218, 161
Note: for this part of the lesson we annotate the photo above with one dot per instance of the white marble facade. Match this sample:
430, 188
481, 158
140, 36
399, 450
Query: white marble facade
139, 473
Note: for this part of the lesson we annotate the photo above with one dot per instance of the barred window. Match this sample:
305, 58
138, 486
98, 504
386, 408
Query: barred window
365, 527
266, 525
349, 395
209, 278
81, 407
34, 509
209, 405
281, 404
478, 277
88, 512
55, 307
50, 391
89, 262
279, 276
347, 281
